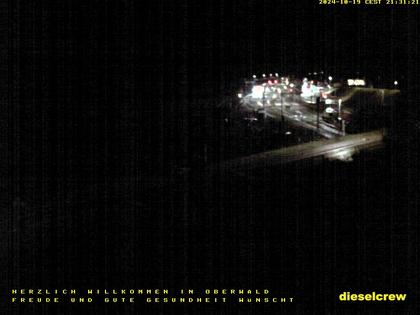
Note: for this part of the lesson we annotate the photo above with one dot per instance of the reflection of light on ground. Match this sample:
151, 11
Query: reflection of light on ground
342, 155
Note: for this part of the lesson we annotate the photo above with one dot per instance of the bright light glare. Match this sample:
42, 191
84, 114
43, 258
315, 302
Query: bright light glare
240, 95
395, 82
356, 82
330, 78
257, 91
342, 154
329, 110
254, 76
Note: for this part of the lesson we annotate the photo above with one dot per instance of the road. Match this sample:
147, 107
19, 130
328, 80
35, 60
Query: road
340, 148
336, 145
296, 111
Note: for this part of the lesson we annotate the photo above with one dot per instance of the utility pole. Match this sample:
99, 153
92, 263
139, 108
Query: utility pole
281, 104
318, 103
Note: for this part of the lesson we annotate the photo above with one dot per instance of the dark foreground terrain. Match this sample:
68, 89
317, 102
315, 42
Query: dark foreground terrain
106, 213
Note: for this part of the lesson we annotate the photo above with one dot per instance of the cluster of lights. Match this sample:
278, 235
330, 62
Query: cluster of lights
254, 76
